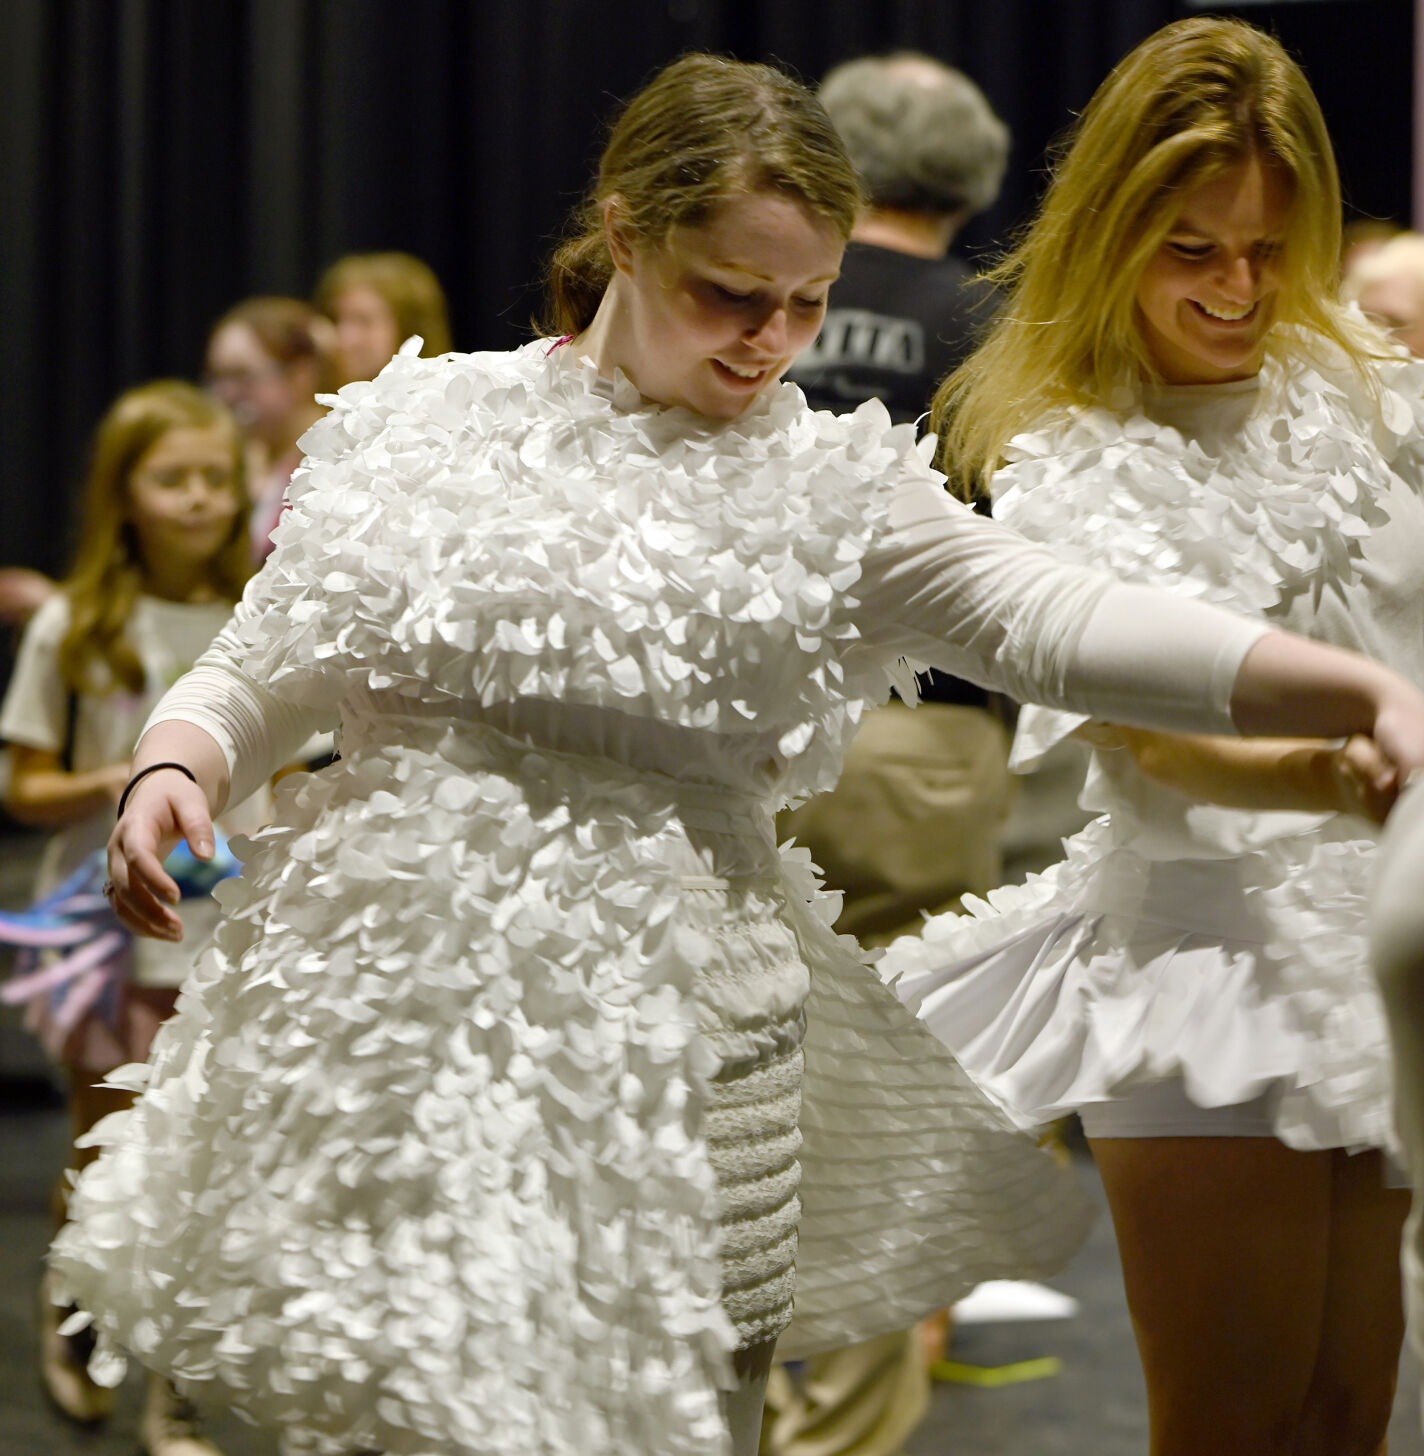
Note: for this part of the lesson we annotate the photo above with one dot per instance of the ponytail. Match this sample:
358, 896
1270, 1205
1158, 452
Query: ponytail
577, 278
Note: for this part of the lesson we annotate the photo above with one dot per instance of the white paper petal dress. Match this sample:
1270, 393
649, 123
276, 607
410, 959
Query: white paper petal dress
1175, 939
478, 1131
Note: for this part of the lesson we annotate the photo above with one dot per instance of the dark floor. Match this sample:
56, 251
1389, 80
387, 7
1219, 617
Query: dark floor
1093, 1407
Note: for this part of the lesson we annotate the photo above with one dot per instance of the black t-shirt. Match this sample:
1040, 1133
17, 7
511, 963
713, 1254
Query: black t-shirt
896, 325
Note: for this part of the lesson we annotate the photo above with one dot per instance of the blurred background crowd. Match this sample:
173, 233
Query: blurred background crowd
164, 160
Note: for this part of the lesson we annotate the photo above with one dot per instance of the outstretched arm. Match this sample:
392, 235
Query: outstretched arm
231, 734
1312, 776
45, 794
950, 589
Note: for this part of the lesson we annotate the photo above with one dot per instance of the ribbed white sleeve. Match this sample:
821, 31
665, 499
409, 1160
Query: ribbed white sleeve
950, 589
257, 731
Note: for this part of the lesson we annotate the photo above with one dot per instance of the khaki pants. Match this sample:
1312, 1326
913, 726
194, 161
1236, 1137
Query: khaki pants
914, 822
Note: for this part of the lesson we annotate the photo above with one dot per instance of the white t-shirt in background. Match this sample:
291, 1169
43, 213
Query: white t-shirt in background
168, 637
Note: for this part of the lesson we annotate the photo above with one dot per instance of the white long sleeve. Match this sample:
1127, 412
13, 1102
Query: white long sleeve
953, 590
943, 587
257, 731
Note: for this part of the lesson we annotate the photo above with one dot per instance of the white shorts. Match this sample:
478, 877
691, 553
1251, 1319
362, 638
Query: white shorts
1163, 1109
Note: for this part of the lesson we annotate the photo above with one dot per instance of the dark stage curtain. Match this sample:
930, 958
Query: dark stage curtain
162, 158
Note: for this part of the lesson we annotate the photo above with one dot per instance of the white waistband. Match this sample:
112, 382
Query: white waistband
715, 807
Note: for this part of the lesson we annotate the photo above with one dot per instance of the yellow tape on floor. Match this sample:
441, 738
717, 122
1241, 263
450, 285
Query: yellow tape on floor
990, 1375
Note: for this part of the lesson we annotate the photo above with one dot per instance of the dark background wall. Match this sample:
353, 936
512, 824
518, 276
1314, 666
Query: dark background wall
160, 159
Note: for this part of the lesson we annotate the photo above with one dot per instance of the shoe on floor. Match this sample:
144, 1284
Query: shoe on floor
64, 1361
169, 1424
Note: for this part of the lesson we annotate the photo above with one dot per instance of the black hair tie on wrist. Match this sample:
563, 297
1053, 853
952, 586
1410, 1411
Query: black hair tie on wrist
143, 773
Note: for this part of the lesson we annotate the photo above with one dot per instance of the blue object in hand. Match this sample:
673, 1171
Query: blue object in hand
196, 877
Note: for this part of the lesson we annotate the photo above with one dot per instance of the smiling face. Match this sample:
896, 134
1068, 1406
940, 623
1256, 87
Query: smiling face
1207, 298
716, 314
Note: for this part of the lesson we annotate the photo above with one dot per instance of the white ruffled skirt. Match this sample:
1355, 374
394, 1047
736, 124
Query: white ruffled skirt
478, 1127
1241, 976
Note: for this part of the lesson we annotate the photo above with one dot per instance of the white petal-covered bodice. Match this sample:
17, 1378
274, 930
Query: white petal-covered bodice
1296, 497
703, 572
1255, 495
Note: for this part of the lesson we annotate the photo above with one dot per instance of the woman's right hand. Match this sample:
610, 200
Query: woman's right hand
1363, 779
1399, 726
164, 807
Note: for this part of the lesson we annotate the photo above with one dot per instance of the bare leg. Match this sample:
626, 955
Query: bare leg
1397, 935
1351, 1393
1225, 1252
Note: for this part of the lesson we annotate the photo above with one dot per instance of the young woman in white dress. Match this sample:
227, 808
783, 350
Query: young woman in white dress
523, 1059
1174, 395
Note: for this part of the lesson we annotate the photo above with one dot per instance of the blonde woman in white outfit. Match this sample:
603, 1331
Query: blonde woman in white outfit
494, 1135
1174, 395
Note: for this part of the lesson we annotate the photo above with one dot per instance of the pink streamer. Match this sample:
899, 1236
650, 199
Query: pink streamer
68, 968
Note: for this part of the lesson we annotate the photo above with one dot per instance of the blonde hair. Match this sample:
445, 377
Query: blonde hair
408, 287
1196, 98
702, 130
108, 571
